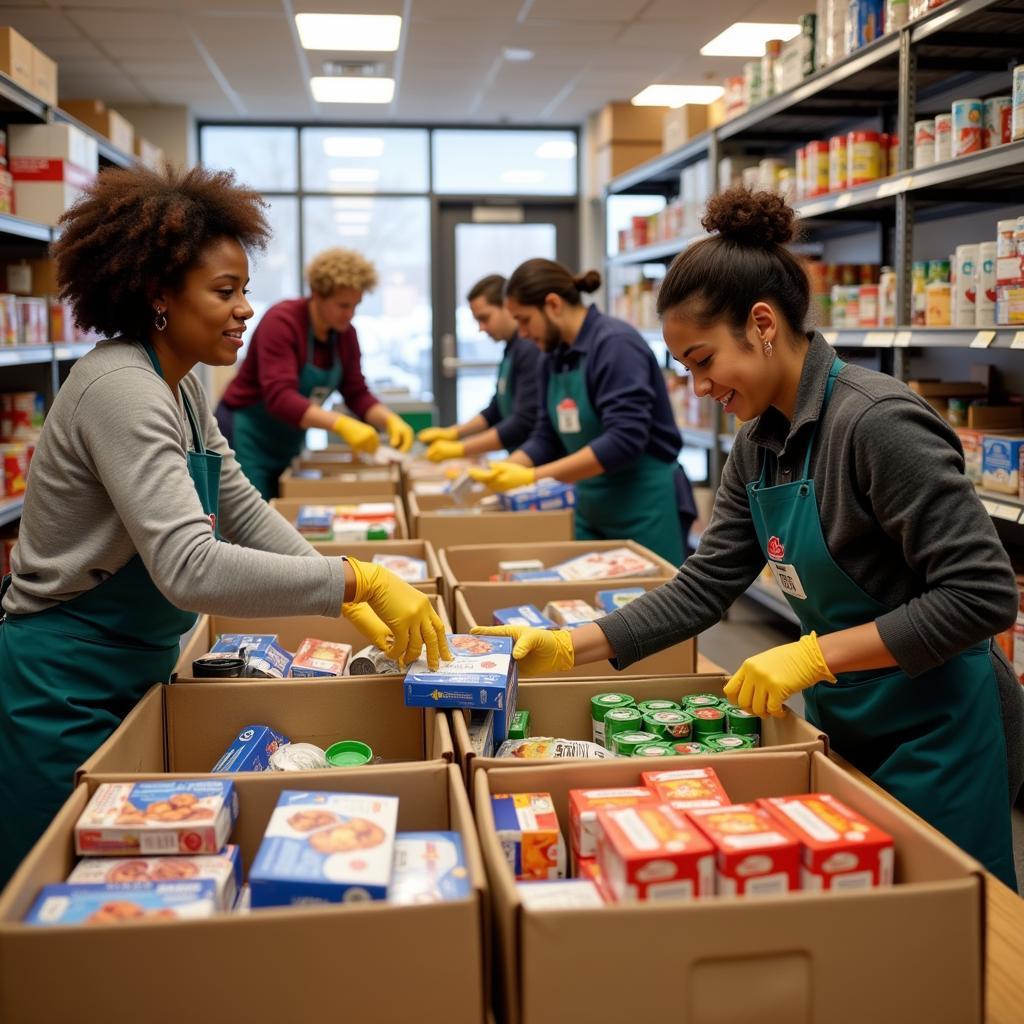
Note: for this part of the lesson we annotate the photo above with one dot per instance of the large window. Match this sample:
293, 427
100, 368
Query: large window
477, 162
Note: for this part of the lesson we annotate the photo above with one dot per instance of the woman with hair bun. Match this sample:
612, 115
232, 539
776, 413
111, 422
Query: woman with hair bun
853, 490
604, 421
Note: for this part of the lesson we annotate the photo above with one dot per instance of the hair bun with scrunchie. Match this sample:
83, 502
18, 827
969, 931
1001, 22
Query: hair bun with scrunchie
744, 217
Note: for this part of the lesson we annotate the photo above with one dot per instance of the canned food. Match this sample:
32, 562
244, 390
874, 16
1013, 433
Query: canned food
924, 142
627, 742
918, 282
938, 299
726, 742
647, 707
707, 721
600, 705
15, 458
620, 720
887, 297
742, 722
1017, 113
654, 750
985, 315
943, 137
348, 754
213, 666
670, 725
868, 306
864, 157
816, 168
372, 661
837, 163
965, 297
968, 117
701, 700
998, 121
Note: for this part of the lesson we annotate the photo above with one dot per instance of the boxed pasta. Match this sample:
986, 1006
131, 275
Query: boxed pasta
584, 805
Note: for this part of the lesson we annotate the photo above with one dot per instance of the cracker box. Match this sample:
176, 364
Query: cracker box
528, 831
482, 674
1000, 463
191, 816
412, 570
606, 565
320, 659
609, 601
481, 733
264, 657
570, 613
429, 867
223, 869
523, 615
688, 789
325, 848
651, 852
568, 894
584, 805
250, 750
839, 849
755, 854
124, 904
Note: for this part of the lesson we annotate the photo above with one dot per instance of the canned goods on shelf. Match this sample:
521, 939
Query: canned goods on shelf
868, 306
964, 300
998, 121
864, 157
837, 163
968, 116
938, 270
1017, 112
938, 304
816, 168
924, 142
943, 137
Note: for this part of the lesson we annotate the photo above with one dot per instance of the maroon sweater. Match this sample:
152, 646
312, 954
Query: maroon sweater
277, 353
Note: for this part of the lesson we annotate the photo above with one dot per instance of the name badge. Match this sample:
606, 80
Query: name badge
568, 417
319, 395
788, 580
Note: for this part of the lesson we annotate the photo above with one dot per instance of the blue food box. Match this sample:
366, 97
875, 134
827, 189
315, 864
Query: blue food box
325, 848
1000, 463
429, 867
523, 615
264, 656
124, 903
612, 600
535, 576
315, 519
250, 750
542, 496
482, 674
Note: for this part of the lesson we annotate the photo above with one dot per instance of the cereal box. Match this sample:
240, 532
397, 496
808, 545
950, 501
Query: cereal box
264, 657
1000, 463
583, 808
319, 658
523, 615
839, 849
412, 570
755, 855
223, 869
325, 848
570, 613
651, 852
528, 831
568, 894
429, 867
612, 600
250, 750
688, 789
124, 904
606, 565
192, 816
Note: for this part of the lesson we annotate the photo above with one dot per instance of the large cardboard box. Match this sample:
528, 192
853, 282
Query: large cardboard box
623, 122
100, 118
183, 730
289, 507
620, 157
336, 482
909, 952
44, 77
364, 550
149, 155
680, 124
16, 57
51, 164
562, 708
370, 961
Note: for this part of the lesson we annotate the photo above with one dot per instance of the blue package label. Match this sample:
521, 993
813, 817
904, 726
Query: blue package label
429, 867
124, 904
250, 750
612, 600
535, 576
523, 615
545, 495
1000, 463
264, 656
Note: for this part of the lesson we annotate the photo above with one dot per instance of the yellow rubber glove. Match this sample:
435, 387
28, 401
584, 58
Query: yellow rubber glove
538, 651
406, 612
400, 434
360, 437
430, 434
363, 617
503, 476
765, 681
441, 450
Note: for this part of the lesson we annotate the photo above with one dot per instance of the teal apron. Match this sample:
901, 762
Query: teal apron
69, 674
934, 742
630, 503
506, 386
265, 445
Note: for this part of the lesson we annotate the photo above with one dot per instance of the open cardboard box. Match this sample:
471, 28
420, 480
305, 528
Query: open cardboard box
183, 730
474, 604
370, 961
909, 952
289, 508
337, 482
364, 550
562, 708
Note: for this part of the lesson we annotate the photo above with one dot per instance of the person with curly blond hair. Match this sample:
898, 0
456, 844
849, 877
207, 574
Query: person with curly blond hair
133, 485
303, 350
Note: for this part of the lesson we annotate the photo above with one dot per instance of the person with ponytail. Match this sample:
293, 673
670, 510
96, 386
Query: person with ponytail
604, 421
852, 489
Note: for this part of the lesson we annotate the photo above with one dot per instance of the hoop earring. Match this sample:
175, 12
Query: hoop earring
160, 322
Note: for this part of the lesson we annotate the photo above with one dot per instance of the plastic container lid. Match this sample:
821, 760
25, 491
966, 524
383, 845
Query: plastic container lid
348, 754
218, 668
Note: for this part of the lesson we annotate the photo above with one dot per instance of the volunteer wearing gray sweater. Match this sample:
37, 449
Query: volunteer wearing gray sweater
852, 489
133, 489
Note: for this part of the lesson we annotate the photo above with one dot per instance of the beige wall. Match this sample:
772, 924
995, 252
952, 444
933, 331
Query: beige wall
171, 128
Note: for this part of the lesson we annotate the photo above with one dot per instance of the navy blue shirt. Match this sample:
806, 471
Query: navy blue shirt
523, 380
626, 389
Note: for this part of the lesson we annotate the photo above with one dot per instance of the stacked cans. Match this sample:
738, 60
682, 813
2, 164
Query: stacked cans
969, 127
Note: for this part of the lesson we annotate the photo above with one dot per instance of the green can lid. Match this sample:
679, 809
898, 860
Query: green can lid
606, 701
348, 754
711, 737
654, 750
627, 742
729, 742
734, 712
648, 706
622, 715
701, 700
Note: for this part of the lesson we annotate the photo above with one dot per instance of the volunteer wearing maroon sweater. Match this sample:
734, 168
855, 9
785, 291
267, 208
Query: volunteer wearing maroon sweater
303, 350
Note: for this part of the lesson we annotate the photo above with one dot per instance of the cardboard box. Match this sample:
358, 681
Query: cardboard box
620, 157
109, 123
16, 57
44, 77
51, 164
149, 155
303, 958
680, 124
802, 956
184, 730
289, 508
371, 483
623, 122
995, 417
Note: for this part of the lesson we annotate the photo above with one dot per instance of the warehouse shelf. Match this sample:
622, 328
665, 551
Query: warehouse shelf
926, 337
72, 350
969, 16
30, 230
663, 169
107, 150
18, 104
771, 597
667, 250
26, 355
1004, 507
10, 509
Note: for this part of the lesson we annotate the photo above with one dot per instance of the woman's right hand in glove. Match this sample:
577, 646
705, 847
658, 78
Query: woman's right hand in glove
540, 652
360, 437
430, 434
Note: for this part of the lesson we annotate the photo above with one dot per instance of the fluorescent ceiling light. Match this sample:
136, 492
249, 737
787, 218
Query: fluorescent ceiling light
747, 38
358, 32
354, 145
676, 95
556, 149
353, 175
523, 177
353, 90
517, 54
351, 216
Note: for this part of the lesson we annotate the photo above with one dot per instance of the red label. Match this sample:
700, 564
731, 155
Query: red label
775, 549
566, 403
30, 168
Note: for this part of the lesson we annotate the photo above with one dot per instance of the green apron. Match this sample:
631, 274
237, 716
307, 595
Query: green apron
265, 445
628, 503
934, 742
72, 672
506, 386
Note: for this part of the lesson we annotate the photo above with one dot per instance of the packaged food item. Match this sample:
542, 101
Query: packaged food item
528, 831
194, 816
522, 615
699, 700
669, 725
600, 705
218, 666
938, 270
687, 788
864, 23
412, 570
606, 565
570, 613
690, 747
124, 904
609, 601
1000, 463
567, 894
924, 142
864, 156
838, 162
965, 300
508, 567
887, 297
723, 743
348, 754
972, 445
429, 867
1017, 112
618, 721
372, 661
15, 458
298, 757
264, 657
325, 848
647, 707
897, 14
755, 855
626, 743
816, 169
481, 732
868, 303
536, 747
938, 298
250, 750
707, 720
584, 805
519, 728
985, 314
651, 852
742, 722
656, 748
968, 120
320, 658
545, 494
943, 137
224, 869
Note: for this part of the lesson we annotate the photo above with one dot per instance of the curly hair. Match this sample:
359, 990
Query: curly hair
340, 268
136, 231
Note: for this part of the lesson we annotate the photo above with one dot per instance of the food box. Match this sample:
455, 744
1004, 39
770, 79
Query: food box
1000, 463
157, 817
840, 849
412, 570
264, 657
605, 565
508, 566
528, 831
539, 497
755, 854
519, 726
523, 615
250, 750
651, 852
688, 789
321, 847
584, 805
429, 867
566, 894
320, 658
123, 904
609, 601
571, 613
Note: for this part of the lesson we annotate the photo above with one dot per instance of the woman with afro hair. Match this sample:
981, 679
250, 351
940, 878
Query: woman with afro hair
133, 488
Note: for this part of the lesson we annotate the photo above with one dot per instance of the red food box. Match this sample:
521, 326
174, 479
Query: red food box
687, 789
583, 807
755, 855
651, 852
840, 849
587, 867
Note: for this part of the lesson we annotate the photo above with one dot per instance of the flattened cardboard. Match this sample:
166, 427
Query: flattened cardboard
910, 952
318, 962
338, 482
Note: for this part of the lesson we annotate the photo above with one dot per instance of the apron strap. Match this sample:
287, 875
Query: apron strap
332, 341
197, 437
834, 371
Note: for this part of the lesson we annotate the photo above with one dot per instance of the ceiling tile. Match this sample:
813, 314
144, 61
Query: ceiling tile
141, 25
602, 10
38, 25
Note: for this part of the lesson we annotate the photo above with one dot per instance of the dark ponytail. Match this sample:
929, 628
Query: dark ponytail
531, 282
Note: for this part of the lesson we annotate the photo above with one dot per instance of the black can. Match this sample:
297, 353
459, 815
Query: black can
218, 668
